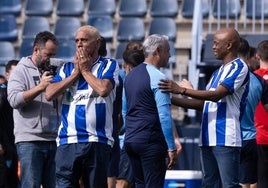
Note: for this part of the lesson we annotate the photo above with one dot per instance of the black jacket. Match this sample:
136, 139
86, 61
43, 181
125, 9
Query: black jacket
6, 124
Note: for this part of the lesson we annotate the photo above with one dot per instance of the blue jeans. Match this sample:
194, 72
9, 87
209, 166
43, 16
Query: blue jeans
37, 164
87, 160
220, 165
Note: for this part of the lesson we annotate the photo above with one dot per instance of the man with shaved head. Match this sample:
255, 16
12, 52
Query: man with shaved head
223, 103
88, 88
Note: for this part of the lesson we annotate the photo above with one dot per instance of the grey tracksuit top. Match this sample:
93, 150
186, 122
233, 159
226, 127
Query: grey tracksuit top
35, 120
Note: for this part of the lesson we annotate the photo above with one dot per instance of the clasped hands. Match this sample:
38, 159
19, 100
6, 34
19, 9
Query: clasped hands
82, 61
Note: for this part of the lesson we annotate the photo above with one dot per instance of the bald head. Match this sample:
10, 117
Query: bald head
226, 44
229, 35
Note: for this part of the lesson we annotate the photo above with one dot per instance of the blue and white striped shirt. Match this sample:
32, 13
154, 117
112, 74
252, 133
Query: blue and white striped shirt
221, 120
86, 116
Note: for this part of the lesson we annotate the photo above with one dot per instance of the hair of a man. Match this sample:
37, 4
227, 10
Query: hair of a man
102, 49
133, 57
252, 61
243, 50
11, 63
134, 45
42, 37
153, 42
262, 50
133, 53
91, 30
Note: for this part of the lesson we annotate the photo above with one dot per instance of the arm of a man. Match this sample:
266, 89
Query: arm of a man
183, 88
188, 103
101, 86
167, 128
211, 95
19, 93
56, 89
106, 79
32, 93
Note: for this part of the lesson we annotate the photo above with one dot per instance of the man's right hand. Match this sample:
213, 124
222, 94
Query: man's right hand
173, 158
45, 80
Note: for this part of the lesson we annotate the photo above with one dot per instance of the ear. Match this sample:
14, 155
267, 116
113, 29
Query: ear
229, 45
36, 50
157, 51
98, 42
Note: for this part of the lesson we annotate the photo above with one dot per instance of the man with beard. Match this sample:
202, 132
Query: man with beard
35, 118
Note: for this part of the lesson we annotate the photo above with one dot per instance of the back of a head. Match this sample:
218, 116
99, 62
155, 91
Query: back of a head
102, 49
262, 50
11, 63
134, 45
133, 57
247, 53
243, 50
252, 61
151, 43
133, 54
9, 67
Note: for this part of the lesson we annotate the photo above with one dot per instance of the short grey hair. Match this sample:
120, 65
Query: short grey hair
152, 42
